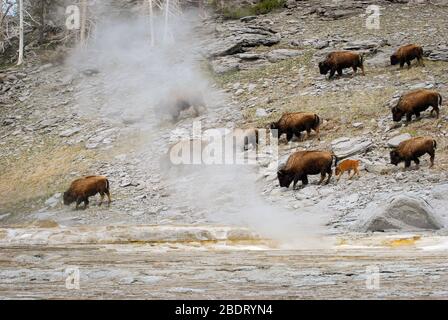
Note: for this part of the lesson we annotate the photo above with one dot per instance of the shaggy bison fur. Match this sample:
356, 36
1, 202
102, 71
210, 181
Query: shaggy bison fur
339, 60
295, 123
406, 54
411, 149
303, 163
415, 102
81, 189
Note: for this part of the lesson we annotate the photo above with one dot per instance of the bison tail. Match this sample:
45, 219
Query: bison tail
361, 59
335, 159
316, 121
107, 184
440, 100
420, 52
434, 143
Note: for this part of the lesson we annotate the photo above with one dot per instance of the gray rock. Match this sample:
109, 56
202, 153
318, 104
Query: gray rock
250, 56
282, 54
54, 200
248, 18
69, 132
438, 54
241, 38
381, 169
404, 212
261, 113
365, 44
225, 64
345, 147
395, 141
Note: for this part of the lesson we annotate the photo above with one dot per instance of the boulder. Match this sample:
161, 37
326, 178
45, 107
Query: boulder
345, 147
282, 54
395, 141
438, 54
225, 64
404, 212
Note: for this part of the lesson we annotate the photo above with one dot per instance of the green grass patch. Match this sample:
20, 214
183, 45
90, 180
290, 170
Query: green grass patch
263, 7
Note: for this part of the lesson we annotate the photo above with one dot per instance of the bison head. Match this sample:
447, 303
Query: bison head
337, 171
284, 178
394, 59
397, 114
68, 198
324, 67
395, 157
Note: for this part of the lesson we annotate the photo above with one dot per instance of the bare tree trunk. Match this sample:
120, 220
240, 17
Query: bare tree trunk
151, 22
83, 22
167, 13
42, 21
21, 35
1, 22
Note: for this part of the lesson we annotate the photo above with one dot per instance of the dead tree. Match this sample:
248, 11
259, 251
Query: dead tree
83, 22
21, 33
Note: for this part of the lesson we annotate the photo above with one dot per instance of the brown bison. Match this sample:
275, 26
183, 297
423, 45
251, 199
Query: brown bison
406, 54
303, 163
81, 189
181, 100
296, 122
339, 60
411, 149
246, 137
415, 102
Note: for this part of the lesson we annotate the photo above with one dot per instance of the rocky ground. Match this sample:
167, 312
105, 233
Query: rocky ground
55, 126
265, 65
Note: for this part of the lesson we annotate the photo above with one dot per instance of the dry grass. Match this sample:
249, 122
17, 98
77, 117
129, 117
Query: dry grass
37, 175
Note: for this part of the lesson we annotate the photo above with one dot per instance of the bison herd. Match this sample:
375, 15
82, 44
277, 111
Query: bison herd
300, 164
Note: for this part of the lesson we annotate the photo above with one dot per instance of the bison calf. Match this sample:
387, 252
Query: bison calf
406, 54
415, 102
295, 123
81, 189
303, 163
411, 149
339, 60
347, 166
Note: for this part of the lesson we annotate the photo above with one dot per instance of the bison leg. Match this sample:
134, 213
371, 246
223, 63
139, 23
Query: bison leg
340, 72
304, 180
417, 114
332, 72
308, 133
101, 199
329, 172
289, 135
317, 130
402, 64
78, 202
417, 161
296, 179
408, 117
322, 177
407, 163
86, 203
338, 177
109, 200
432, 153
420, 61
362, 70
436, 109
409, 64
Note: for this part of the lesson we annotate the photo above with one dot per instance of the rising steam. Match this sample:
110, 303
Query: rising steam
135, 75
